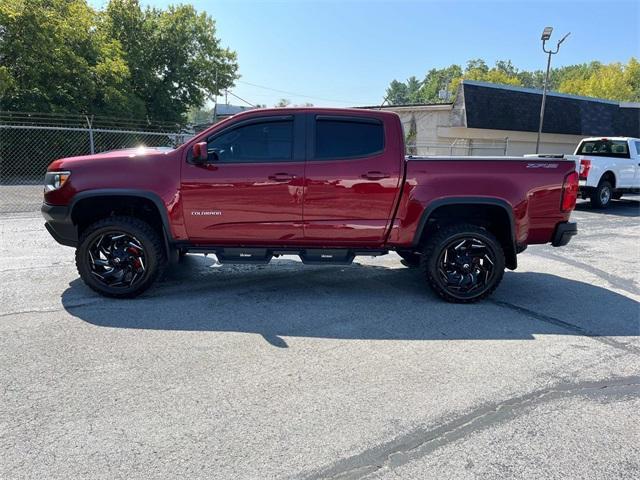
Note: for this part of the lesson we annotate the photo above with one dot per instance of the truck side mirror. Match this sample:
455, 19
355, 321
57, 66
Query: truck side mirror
200, 154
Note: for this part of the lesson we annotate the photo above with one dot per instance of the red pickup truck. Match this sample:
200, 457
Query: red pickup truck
324, 184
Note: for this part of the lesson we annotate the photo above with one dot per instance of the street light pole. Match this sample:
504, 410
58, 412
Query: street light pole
546, 35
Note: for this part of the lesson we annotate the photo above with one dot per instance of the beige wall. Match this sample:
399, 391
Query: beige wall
438, 127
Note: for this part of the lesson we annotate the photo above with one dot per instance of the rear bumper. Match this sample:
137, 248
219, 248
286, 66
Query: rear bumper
58, 223
563, 233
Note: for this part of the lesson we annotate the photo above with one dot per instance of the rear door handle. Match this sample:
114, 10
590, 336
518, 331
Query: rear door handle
374, 175
281, 177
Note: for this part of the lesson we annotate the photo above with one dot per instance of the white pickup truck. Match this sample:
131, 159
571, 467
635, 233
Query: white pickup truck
608, 168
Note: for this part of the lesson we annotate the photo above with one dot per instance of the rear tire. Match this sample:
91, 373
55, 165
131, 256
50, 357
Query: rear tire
409, 259
120, 256
601, 196
463, 263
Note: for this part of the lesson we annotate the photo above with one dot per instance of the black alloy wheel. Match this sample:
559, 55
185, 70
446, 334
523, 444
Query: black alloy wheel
117, 259
463, 263
120, 256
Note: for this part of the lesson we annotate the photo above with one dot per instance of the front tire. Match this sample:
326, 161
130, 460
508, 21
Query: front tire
463, 263
601, 196
120, 256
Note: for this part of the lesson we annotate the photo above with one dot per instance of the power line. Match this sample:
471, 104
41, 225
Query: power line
242, 99
297, 94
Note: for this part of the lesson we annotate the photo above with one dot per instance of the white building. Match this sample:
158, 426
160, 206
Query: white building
490, 119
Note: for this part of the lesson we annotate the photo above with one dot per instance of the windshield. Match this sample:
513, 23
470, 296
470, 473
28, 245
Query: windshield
604, 148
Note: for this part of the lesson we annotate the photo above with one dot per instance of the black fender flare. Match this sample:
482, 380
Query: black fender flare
496, 202
130, 192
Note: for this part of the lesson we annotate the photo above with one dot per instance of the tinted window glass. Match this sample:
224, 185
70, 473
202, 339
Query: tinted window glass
256, 142
341, 139
638, 147
605, 148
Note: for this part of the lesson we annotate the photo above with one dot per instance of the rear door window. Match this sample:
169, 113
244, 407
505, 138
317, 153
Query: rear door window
605, 148
338, 138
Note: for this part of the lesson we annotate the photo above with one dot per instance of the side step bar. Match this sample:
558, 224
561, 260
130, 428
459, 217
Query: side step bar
309, 256
259, 256
322, 257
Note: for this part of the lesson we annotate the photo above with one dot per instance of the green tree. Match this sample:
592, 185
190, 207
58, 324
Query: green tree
397, 93
56, 57
196, 116
506, 67
533, 79
503, 73
437, 80
176, 60
632, 76
615, 81
63, 56
413, 90
477, 65
401, 93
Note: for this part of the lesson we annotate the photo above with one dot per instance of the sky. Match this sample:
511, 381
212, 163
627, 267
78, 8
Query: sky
345, 53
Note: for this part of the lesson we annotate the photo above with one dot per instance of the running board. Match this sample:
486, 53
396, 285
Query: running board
309, 256
325, 256
260, 256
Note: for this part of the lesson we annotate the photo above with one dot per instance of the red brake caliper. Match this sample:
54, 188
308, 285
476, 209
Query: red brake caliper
136, 253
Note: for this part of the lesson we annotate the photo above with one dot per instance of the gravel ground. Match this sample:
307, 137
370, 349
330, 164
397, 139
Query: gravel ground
290, 371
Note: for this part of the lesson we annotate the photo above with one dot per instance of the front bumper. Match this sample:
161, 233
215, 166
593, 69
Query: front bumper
563, 233
59, 224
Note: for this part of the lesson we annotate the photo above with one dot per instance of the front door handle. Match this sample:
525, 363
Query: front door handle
281, 177
374, 175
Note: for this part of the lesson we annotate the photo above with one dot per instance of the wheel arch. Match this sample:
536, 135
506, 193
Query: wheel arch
92, 205
610, 176
492, 213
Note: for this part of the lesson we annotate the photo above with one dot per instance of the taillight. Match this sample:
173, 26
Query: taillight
585, 166
569, 192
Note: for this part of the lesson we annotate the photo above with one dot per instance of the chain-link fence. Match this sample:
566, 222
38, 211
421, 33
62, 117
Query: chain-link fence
30, 142
460, 146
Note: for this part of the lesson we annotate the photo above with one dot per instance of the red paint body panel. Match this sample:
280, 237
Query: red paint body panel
327, 202
149, 170
534, 194
253, 208
344, 207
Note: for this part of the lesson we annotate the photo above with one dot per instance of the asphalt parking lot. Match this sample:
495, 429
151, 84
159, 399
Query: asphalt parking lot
285, 371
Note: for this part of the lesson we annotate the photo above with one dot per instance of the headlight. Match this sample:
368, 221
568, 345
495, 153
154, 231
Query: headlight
55, 180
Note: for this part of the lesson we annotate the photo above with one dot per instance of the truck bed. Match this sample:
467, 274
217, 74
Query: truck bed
530, 188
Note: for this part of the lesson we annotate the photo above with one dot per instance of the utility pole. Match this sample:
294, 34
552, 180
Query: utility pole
215, 101
546, 35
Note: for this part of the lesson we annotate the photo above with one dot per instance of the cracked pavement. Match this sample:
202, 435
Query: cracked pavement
285, 371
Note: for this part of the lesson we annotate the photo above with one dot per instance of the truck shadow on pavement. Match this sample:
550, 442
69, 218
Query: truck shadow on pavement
285, 299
